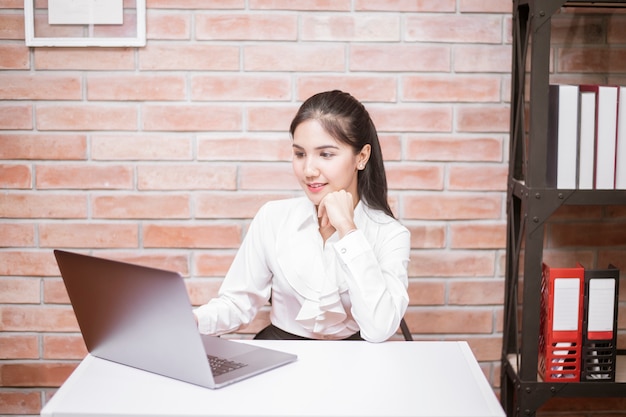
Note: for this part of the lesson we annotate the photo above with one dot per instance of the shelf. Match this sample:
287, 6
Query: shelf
530, 204
570, 197
575, 389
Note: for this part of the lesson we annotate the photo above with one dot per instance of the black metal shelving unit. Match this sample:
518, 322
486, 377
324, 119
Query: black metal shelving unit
530, 204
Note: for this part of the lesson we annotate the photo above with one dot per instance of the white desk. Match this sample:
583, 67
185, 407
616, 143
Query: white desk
329, 379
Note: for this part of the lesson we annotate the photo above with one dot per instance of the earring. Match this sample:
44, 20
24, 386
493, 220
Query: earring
361, 166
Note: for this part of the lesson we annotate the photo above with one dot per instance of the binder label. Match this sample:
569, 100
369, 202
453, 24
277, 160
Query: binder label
566, 304
601, 305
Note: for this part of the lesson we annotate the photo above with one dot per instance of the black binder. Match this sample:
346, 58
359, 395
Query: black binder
600, 325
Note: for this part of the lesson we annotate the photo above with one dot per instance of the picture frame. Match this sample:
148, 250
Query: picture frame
83, 23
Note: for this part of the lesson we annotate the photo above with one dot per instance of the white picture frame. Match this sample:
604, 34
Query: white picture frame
40, 33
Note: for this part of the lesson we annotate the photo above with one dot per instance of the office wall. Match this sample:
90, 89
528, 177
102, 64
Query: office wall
161, 155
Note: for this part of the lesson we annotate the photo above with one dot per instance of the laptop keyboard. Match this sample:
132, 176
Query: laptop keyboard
220, 366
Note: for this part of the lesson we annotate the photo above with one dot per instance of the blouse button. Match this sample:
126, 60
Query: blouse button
343, 250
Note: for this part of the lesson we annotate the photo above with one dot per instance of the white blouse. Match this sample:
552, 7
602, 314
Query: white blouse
319, 290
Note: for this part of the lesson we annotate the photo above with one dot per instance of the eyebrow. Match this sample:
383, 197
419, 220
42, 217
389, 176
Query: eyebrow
317, 148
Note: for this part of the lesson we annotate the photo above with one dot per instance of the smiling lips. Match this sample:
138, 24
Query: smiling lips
315, 187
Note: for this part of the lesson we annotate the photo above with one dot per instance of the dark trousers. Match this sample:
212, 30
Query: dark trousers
272, 332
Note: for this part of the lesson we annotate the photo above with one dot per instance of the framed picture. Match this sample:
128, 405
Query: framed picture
115, 23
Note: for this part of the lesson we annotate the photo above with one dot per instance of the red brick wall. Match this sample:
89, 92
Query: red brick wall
161, 155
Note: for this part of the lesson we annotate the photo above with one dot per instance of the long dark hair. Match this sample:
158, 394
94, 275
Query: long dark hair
347, 120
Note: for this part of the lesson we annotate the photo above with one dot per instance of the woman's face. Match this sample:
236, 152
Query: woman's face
322, 164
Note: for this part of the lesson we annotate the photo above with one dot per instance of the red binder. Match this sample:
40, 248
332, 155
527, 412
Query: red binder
560, 340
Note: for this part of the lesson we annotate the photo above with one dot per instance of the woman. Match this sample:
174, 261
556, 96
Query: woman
334, 262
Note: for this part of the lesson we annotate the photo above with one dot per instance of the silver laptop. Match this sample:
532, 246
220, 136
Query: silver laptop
142, 317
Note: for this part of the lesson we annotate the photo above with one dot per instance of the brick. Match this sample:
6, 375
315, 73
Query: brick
36, 318
477, 177
450, 321
453, 206
244, 149
616, 257
484, 6
364, 88
616, 28
38, 205
27, 263
485, 348
16, 117
201, 291
40, 87
14, 57
212, 264
84, 177
89, 58
144, 147
415, 177
565, 259
294, 57
19, 290
198, 4
412, 118
40, 146
482, 58
35, 374
239, 205
171, 261
270, 118
267, 177
426, 293
427, 236
168, 25
306, 5
246, 27
454, 149
17, 234
186, 177
10, 4
54, 291
406, 5
20, 402
579, 29
136, 87
167, 206
189, 57
399, 57
17, 346
451, 264
604, 234
64, 347
191, 117
88, 235
351, 28
477, 236
454, 28
11, 26
240, 88
483, 119
15, 176
476, 292
87, 117
452, 88
391, 146
205, 236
